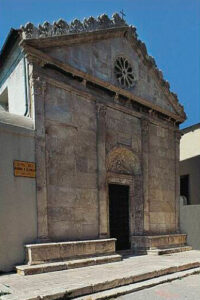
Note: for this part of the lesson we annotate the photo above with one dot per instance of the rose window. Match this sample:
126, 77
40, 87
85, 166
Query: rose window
124, 72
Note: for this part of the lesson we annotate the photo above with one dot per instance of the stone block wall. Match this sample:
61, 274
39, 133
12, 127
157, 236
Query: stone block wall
124, 147
71, 166
71, 146
83, 125
162, 180
122, 129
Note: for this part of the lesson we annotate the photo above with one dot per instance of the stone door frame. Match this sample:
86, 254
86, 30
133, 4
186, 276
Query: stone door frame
122, 179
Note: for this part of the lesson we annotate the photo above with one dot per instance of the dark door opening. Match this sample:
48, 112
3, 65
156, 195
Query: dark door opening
184, 187
119, 215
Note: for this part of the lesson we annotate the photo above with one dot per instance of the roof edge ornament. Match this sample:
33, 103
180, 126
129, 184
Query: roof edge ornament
131, 34
61, 27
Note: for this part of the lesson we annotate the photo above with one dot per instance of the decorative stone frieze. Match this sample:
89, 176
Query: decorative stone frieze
61, 27
101, 109
124, 161
35, 60
39, 86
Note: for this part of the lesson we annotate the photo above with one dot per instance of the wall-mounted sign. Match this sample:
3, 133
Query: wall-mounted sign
24, 168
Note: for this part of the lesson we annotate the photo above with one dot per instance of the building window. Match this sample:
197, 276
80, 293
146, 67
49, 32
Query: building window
4, 100
184, 187
124, 72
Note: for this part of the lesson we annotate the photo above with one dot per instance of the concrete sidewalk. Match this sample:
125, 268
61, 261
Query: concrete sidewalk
89, 280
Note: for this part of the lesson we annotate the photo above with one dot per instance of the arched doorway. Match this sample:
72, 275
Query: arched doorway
122, 167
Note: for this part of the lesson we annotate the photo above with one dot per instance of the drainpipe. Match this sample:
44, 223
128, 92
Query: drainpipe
26, 89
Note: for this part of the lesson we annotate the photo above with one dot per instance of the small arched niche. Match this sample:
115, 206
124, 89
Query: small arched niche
124, 161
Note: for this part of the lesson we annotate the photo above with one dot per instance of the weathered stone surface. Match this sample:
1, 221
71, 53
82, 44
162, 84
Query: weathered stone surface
71, 165
144, 243
66, 265
132, 270
97, 59
162, 181
169, 250
93, 136
49, 252
29, 31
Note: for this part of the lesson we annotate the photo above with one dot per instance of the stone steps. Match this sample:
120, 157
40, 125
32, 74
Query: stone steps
134, 287
166, 251
91, 292
75, 283
65, 265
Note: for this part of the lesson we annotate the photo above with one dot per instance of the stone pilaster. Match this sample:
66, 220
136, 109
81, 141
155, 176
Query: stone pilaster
138, 205
177, 178
101, 162
38, 90
145, 171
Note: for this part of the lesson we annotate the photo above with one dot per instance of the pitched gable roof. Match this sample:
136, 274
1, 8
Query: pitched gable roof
11, 39
59, 30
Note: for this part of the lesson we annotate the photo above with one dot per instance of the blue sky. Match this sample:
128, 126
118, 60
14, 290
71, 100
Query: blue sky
170, 29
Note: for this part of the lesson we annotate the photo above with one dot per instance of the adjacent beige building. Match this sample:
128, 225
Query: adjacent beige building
190, 164
106, 132
189, 184
18, 207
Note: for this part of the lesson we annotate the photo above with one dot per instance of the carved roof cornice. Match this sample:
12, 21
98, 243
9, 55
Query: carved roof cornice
61, 27
76, 38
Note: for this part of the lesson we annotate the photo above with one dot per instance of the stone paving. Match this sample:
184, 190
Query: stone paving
186, 288
92, 279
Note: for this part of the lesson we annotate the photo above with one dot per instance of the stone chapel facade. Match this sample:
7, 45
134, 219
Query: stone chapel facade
106, 135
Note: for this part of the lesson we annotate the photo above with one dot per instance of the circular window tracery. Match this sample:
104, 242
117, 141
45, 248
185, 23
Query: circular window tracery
124, 72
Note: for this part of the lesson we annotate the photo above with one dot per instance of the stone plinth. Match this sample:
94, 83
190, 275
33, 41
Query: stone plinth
49, 252
51, 257
141, 244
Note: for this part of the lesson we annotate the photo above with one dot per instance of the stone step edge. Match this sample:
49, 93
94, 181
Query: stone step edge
66, 265
50, 244
170, 246
69, 258
165, 235
99, 287
163, 251
88, 290
134, 287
